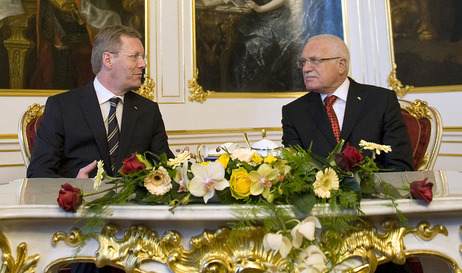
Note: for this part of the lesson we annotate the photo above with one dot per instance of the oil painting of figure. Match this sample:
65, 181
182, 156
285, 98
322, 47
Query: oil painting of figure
252, 46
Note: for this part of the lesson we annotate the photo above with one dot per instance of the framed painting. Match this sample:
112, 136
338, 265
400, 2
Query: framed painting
245, 48
45, 46
427, 42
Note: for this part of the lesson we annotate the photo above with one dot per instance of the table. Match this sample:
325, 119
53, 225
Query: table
36, 234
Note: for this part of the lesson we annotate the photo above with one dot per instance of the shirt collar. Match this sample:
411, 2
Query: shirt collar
103, 93
341, 92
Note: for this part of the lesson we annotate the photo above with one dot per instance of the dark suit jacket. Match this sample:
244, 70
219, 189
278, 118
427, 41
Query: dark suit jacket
372, 114
72, 133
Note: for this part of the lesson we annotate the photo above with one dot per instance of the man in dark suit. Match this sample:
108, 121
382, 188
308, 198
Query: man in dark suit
73, 133
362, 111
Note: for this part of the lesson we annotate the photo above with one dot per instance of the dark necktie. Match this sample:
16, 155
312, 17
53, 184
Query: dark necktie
328, 102
113, 132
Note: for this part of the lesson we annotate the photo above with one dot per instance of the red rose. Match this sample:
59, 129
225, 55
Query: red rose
132, 165
69, 197
349, 158
422, 190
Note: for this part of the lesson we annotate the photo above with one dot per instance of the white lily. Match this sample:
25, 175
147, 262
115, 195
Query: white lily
277, 242
311, 260
206, 179
307, 229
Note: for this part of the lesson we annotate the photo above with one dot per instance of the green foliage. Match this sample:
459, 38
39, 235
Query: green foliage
301, 184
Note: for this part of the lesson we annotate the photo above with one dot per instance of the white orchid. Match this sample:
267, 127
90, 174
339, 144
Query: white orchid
207, 179
182, 177
311, 260
262, 180
305, 229
278, 243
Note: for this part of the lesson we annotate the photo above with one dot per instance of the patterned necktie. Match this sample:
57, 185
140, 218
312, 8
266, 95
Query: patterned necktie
328, 102
113, 132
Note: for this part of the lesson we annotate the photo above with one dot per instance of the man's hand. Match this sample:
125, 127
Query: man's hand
83, 173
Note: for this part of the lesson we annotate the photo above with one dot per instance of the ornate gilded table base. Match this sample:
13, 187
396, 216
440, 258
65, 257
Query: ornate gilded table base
226, 251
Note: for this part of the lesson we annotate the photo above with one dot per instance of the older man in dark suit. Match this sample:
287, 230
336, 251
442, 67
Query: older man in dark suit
82, 125
356, 111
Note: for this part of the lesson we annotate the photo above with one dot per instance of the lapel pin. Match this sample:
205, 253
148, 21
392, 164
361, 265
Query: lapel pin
136, 108
359, 98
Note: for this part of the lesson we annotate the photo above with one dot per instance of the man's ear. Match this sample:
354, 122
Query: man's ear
107, 60
342, 66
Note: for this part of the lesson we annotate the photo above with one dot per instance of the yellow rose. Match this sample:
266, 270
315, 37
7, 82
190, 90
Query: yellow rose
240, 183
224, 160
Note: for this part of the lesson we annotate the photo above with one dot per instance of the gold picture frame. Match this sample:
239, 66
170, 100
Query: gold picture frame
218, 39
23, 53
425, 46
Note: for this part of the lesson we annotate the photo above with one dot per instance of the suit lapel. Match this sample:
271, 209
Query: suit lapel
92, 113
355, 102
318, 112
130, 115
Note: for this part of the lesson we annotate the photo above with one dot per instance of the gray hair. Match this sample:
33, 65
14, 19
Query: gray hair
338, 46
108, 40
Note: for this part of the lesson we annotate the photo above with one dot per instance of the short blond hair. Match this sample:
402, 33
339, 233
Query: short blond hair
108, 40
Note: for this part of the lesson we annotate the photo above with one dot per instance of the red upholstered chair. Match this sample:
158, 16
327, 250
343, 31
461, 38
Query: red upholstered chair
425, 130
28, 124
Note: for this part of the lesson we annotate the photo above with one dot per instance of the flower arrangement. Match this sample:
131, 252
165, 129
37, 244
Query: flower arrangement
296, 177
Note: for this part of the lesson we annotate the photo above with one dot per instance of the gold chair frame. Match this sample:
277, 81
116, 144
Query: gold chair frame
420, 109
33, 111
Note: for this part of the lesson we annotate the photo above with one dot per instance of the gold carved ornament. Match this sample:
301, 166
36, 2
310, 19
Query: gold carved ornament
364, 238
210, 252
197, 92
225, 250
396, 85
419, 109
33, 111
147, 88
23, 262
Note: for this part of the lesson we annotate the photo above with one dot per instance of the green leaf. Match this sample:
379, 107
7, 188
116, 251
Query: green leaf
305, 203
350, 184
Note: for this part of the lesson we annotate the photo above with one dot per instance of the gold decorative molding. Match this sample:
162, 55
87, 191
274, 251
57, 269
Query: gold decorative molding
33, 111
225, 250
396, 85
197, 92
23, 262
419, 109
364, 240
147, 88
223, 131
210, 252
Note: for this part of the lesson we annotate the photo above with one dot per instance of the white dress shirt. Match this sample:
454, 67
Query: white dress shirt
104, 96
340, 104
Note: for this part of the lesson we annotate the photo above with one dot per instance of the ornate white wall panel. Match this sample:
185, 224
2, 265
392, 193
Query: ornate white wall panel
166, 27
